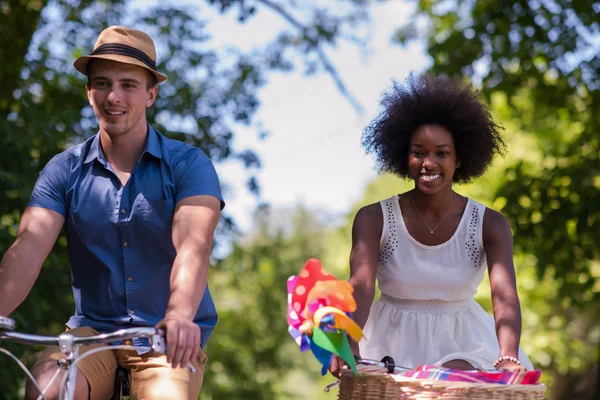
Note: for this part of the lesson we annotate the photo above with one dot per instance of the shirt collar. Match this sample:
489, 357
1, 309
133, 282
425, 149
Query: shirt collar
153, 143
152, 147
95, 150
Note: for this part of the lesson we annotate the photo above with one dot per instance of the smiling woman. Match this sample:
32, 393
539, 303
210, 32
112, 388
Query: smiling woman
425, 100
428, 248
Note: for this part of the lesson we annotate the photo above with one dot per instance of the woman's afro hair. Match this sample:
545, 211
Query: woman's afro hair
425, 99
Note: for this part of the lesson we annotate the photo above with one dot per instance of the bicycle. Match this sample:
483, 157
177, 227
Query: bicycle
69, 345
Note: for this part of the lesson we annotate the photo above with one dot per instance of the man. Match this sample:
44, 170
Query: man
140, 212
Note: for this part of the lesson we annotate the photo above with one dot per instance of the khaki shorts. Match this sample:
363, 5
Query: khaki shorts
150, 376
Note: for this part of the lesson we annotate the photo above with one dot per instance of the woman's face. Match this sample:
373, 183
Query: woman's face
432, 158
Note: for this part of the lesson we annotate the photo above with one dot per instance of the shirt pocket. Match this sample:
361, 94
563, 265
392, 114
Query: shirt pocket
74, 224
157, 214
86, 223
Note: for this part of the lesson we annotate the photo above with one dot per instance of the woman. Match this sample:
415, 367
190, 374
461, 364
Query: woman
428, 248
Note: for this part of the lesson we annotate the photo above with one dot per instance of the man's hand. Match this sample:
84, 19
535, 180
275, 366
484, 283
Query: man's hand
183, 340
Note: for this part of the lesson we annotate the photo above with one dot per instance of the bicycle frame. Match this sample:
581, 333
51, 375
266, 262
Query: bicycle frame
69, 345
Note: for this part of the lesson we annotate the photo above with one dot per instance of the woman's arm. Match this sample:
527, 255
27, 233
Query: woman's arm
498, 245
366, 233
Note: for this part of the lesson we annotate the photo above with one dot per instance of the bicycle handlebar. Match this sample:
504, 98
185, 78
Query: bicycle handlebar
7, 323
24, 338
66, 341
69, 344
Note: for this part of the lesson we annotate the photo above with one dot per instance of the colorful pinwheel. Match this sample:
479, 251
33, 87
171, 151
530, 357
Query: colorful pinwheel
319, 318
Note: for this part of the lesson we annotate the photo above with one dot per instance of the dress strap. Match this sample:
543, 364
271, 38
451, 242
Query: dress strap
474, 240
389, 234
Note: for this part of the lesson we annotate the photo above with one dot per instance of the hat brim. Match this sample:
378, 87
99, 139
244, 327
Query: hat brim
81, 64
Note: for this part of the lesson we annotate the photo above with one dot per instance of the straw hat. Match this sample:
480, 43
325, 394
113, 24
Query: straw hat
124, 45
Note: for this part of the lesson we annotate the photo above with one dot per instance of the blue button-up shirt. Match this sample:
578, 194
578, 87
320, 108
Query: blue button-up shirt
119, 237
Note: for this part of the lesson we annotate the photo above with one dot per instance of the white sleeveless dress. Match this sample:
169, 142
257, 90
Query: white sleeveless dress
426, 313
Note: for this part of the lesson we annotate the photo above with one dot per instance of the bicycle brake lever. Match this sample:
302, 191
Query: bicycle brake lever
159, 343
331, 386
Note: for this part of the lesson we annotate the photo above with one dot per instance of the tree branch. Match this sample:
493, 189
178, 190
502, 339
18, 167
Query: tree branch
314, 43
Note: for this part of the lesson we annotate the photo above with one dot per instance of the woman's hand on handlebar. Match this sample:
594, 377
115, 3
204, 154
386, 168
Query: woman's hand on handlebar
337, 366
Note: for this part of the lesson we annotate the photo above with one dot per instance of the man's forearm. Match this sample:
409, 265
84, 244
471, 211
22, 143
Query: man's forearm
18, 272
188, 283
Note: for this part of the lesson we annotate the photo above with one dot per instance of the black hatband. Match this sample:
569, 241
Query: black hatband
125, 50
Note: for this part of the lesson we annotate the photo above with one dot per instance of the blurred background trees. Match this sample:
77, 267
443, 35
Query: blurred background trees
536, 61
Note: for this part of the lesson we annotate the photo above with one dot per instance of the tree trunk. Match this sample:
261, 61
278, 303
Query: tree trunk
18, 22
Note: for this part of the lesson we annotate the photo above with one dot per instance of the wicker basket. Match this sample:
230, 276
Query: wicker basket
375, 386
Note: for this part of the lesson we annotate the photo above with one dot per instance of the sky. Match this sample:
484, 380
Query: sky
313, 154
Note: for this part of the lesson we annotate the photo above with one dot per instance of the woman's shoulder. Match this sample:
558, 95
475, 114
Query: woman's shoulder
368, 221
369, 217
372, 210
492, 218
495, 226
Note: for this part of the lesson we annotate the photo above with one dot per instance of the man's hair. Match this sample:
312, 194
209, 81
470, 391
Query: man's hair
150, 82
442, 101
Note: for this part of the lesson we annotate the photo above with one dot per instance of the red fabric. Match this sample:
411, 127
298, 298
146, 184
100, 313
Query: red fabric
446, 374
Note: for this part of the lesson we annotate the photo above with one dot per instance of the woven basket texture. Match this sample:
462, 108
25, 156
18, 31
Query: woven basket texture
383, 386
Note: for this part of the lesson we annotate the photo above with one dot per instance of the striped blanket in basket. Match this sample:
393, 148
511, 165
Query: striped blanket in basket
435, 373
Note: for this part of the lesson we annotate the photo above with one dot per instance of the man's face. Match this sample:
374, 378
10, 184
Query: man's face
119, 95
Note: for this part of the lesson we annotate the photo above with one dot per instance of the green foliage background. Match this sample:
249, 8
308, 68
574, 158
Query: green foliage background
537, 63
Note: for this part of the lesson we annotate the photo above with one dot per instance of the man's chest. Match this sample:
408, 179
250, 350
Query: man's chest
103, 210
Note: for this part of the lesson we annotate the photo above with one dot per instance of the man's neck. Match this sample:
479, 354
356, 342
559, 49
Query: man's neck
123, 151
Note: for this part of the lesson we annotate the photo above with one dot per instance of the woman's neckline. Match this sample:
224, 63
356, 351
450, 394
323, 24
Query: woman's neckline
427, 246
